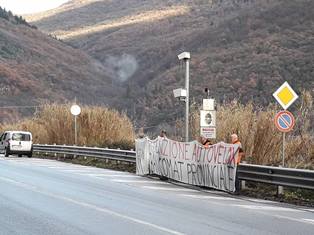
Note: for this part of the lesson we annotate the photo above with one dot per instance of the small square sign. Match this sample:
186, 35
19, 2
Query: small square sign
208, 132
207, 118
208, 104
285, 95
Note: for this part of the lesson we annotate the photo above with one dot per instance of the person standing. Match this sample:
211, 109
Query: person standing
206, 142
235, 140
163, 134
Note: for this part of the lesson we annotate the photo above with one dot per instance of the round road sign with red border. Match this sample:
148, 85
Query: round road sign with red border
284, 121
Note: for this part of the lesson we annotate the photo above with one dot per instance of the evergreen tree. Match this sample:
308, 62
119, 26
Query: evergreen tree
9, 16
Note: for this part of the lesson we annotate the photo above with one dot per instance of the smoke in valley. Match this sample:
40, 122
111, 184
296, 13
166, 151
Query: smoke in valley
122, 67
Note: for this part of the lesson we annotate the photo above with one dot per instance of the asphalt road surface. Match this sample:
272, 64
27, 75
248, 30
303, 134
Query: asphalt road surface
49, 197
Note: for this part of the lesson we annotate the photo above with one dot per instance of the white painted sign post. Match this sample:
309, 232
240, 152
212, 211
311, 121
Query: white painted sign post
75, 111
208, 119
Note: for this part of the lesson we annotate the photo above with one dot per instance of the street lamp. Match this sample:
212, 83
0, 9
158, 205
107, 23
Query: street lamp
185, 92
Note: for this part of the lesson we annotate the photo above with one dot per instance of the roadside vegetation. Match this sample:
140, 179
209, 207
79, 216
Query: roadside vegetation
262, 142
260, 138
97, 126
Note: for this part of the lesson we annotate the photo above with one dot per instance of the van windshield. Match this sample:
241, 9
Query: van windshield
21, 137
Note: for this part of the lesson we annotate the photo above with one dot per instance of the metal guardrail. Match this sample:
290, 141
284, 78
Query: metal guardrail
104, 153
262, 174
290, 177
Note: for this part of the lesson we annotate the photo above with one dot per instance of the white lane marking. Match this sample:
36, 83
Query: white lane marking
77, 170
290, 218
34, 163
169, 189
102, 176
261, 201
43, 165
92, 170
91, 206
74, 167
211, 197
310, 210
267, 208
309, 220
58, 167
139, 181
257, 210
71, 168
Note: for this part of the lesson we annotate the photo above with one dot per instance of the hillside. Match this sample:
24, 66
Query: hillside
35, 68
240, 48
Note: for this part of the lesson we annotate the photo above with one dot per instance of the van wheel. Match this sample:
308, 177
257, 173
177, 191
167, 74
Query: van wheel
30, 155
6, 153
20, 155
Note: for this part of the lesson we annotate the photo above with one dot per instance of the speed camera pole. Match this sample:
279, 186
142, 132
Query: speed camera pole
186, 57
187, 80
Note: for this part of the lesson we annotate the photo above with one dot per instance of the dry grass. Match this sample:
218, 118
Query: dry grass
261, 140
97, 126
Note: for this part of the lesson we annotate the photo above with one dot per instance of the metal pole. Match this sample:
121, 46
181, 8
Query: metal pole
75, 126
283, 148
75, 131
187, 71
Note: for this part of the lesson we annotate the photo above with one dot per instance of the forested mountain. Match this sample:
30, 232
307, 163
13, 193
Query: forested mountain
240, 48
35, 68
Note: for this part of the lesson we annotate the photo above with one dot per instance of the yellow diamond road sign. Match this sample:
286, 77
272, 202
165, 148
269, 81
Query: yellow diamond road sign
285, 95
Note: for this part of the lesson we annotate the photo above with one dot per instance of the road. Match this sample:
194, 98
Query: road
48, 197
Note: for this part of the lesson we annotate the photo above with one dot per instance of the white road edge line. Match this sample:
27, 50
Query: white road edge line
103, 176
169, 189
303, 220
210, 197
266, 207
139, 181
309, 220
91, 206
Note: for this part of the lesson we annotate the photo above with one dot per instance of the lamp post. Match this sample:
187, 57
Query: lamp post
186, 57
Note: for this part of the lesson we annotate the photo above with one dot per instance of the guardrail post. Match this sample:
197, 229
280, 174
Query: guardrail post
46, 152
243, 182
55, 153
280, 190
64, 155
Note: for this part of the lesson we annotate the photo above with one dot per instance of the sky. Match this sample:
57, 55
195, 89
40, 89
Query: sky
30, 6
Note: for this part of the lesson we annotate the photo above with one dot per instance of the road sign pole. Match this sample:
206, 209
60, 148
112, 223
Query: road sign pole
284, 120
75, 111
75, 130
283, 148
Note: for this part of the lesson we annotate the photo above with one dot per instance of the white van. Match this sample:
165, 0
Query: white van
16, 142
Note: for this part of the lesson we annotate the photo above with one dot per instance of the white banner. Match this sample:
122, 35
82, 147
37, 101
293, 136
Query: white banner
188, 162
